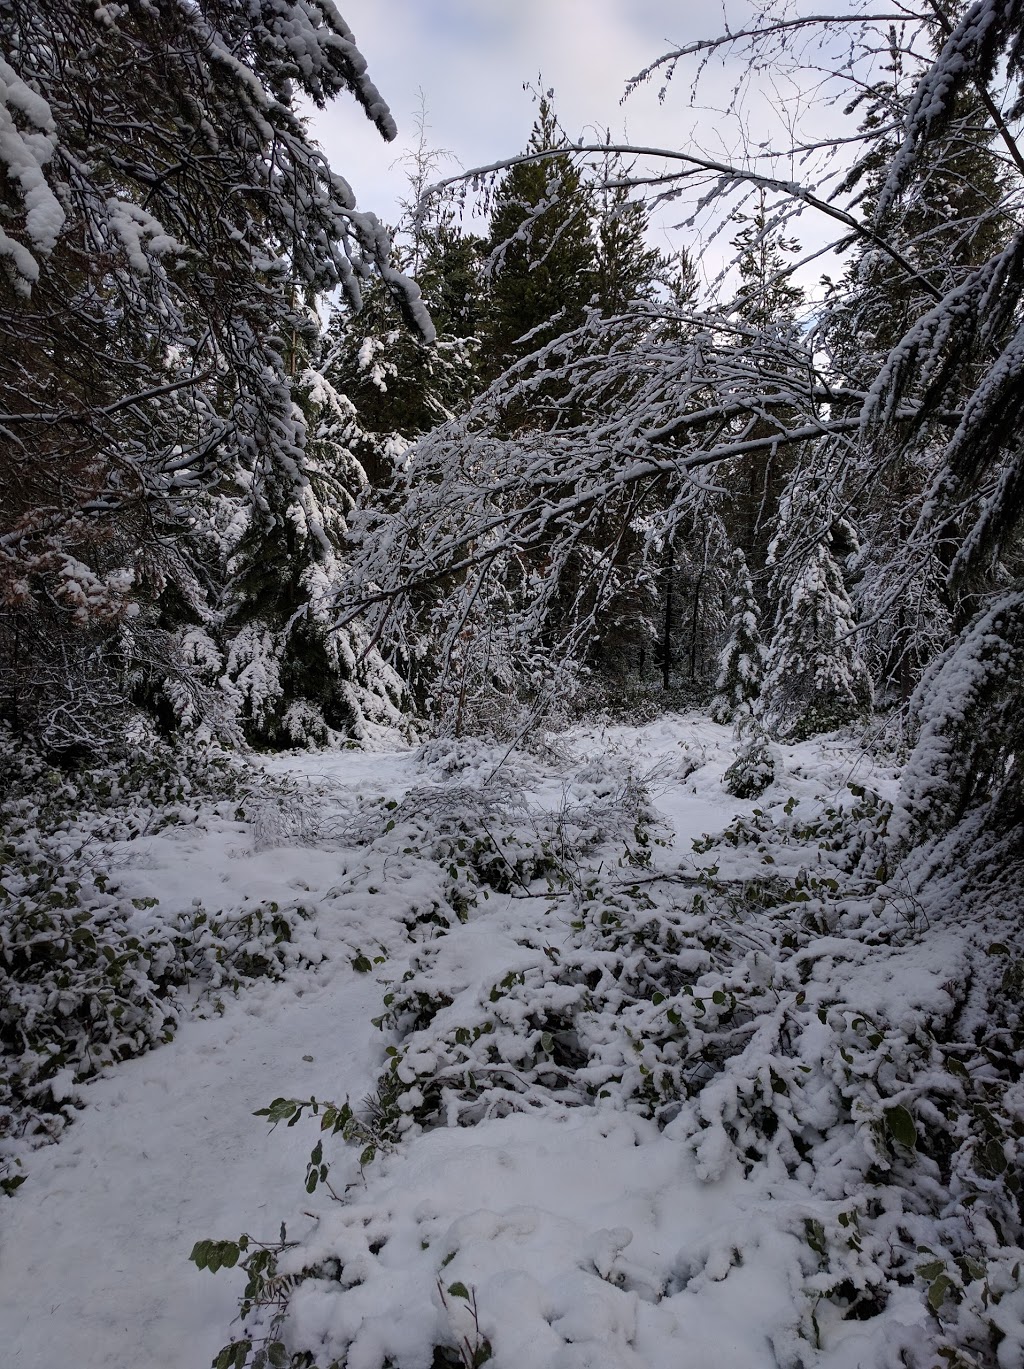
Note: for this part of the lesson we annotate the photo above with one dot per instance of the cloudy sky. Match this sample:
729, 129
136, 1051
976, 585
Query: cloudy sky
471, 59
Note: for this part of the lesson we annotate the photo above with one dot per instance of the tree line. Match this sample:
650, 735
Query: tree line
272, 472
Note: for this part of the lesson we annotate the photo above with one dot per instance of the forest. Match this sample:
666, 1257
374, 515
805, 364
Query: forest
566, 693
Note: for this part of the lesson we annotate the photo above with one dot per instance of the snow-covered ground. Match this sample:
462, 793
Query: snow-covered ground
587, 1236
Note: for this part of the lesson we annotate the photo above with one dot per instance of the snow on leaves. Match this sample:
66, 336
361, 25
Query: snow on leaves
637, 1099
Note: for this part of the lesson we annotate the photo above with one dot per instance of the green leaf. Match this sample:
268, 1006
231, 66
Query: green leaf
367, 1155
937, 1292
361, 964
458, 1290
995, 1159
932, 1269
901, 1126
279, 1109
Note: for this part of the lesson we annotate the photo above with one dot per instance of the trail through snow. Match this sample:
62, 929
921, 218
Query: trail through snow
94, 1268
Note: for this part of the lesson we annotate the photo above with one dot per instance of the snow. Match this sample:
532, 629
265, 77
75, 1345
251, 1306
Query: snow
24, 155
587, 1236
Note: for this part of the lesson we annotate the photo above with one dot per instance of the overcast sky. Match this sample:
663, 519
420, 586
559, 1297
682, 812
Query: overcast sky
471, 59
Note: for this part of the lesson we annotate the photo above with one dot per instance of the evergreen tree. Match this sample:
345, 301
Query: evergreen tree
765, 311
295, 678
949, 220
543, 257
753, 769
816, 680
399, 386
767, 298
163, 208
741, 664
626, 269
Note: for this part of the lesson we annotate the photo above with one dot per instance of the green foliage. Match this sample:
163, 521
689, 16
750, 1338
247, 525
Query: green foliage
542, 250
627, 270
767, 297
753, 770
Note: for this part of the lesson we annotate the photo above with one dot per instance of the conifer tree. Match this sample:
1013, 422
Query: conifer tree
399, 386
816, 680
163, 208
948, 221
402, 386
741, 663
543, 257
627, 268
765, 311
294, 676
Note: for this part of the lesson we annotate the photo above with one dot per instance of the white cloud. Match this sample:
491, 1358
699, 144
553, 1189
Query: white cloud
471, 59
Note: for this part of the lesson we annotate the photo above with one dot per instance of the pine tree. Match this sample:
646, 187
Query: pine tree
399, 386
816, 680
765, 311
741, 663
767, 298
295, 677
947, 222
163, 209
627, 268
543, 258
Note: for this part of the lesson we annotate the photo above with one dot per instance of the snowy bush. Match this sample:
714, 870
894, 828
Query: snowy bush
87, 975
754, 768
810, 1073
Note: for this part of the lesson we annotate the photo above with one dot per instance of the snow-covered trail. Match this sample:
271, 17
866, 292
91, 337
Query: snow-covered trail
94, 1249
94, 1264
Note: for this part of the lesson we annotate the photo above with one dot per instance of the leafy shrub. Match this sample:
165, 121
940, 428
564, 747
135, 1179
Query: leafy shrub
775, 1007
87, 976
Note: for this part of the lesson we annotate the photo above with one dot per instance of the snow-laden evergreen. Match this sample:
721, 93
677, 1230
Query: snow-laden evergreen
742, 660
816, 680
294, 676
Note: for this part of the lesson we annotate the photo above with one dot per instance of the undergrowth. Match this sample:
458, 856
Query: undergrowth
784, 1005
89, 976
